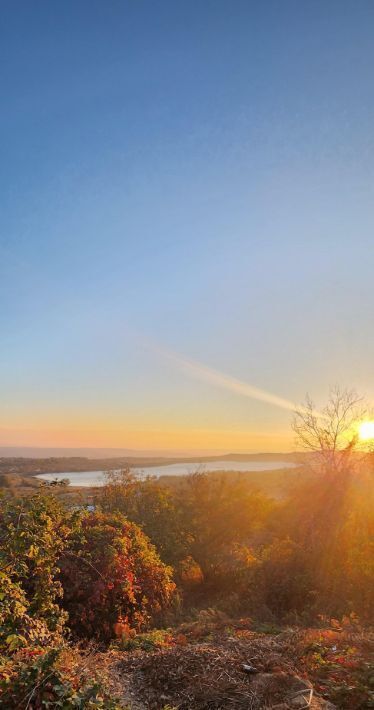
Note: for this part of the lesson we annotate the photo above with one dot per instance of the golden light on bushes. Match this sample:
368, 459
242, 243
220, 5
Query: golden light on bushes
366, 430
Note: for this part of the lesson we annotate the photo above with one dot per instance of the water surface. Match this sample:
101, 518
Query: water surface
97, 478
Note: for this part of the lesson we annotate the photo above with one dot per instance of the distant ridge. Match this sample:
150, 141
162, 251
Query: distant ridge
37, 452
31, 452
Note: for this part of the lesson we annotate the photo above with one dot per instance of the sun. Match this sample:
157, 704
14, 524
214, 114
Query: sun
366, 430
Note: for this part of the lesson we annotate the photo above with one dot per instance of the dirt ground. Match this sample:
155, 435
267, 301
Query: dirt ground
213, 664
248, 673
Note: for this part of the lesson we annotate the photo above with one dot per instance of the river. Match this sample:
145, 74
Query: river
97, 478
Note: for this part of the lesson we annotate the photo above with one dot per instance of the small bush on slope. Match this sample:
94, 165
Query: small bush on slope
33, 534
52, 678
37, 668
113, 578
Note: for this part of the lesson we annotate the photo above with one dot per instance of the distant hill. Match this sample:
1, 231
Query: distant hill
31, 452
100, 453
28, 465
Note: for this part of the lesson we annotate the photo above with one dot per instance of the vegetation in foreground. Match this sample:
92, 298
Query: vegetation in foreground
202, 664
110, 602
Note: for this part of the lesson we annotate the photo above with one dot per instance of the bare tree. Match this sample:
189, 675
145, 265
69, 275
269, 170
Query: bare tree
330, 434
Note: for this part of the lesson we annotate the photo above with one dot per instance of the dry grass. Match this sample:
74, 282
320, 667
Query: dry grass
200, 667
207, 676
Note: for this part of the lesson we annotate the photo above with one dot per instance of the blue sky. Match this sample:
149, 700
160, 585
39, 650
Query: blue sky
194, 175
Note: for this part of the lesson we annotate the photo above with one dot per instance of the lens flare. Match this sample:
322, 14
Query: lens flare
366, 431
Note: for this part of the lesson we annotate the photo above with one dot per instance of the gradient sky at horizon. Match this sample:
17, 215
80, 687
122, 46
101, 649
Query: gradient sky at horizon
190, 176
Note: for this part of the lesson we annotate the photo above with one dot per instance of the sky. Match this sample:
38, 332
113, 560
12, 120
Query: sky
186, 200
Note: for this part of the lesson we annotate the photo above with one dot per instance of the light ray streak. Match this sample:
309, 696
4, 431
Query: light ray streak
220, 379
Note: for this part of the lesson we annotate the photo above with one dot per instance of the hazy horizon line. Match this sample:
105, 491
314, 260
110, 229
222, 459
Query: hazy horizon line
122, 451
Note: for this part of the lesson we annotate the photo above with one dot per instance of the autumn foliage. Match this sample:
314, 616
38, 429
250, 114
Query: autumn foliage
151, 553
112, 577
95, 574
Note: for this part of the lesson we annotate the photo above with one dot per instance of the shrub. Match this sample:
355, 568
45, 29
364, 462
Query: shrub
284, 578
33, 535
149, 504
45, 679
149, 641
113, 578
219, 513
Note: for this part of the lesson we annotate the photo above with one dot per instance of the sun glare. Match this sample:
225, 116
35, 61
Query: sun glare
366, 430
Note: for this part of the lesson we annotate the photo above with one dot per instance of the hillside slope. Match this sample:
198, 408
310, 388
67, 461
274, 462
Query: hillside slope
214, 664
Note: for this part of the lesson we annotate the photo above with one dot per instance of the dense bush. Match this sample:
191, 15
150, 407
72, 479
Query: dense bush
33, 533
98, 569
113, 578
113, 581
284, 578
219, 514
51, 678
150, 505
332, 523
